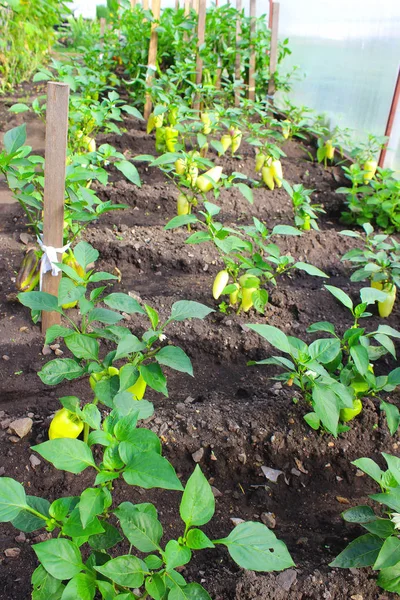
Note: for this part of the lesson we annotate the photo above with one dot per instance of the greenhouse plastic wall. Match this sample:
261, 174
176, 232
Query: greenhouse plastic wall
349, 54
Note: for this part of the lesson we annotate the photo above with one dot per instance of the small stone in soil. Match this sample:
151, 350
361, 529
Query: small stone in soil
21, 537
198, 455
24, 329
2, 471
14, 439
286, 579
35, 461
46, 350
236, 521
216, 492
269, 519
58, 352
5, 357
12, 552
21, 427
189, 400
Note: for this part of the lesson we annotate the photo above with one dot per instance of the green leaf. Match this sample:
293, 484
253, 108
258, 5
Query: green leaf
56, 331
391, 498
109, 538
310, 269
341, 296
125, 428
285, 230
192, 591
359, 514
380, 527
39, 301
154, 377
14, 138
129, 170
359, 354
129, 344
106, 390
371, 295
313, 420
83, 346
362, 552
274, 336
124, 570
59, 369
85, 254
198, 503
18, 108
176, 555
139, 440
324, 350
389, 579
180, 221
253, 546
326, 406
393, 462
389, 555
66, 454
125, 403
175, 358
246, 191
61, 558
12, 499
321, 326
143, 530
187, 309
392, 416
69, 292
369, 467
27, 521
80, 587
197, 540
90, 505
124, 303
45, 586
155, 587
91, 415
149, 470
103, 315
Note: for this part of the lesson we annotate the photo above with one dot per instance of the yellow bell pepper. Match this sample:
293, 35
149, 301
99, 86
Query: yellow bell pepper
203, 182
65, 424
220, 282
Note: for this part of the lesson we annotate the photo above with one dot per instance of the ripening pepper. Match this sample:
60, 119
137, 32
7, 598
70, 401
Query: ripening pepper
154, 122
348, 414
182, 205
276, 171
204, 150
268, 177
329, 150
247, 292
226, 141
171, 138
173, 115
260, 161
220, 282
203, 182
89, 143
233, 296
306, 225
370, 170
160, 139
180, 166
286, 127
69, 259
29, 271
385, 308
205, 119
138, 389
192, 175
236, 136
65, 424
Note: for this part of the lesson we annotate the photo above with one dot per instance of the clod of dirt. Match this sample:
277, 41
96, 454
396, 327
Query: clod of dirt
21, 427
12, 552
198, 455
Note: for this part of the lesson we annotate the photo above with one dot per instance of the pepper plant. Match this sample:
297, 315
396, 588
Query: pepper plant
250, 259
336, 372
378, 261
379, 548
305, 213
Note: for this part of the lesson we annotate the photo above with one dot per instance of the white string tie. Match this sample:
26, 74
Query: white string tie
49, 258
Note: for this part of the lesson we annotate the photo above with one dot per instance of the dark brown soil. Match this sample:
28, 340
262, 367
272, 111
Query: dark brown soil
237, 414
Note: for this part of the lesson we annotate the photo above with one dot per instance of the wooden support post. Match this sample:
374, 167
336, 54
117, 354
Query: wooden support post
270, 14
102, 26
196, 5
201, 30
187, 8
133, 4
273, 56
151, 64
145, 4
54, 184
176, 4
237, 60
252, 65
390, 121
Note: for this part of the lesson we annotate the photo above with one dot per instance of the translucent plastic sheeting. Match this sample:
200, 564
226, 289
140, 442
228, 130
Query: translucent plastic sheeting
349, 52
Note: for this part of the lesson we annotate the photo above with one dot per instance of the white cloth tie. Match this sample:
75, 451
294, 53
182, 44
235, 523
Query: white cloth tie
49, 258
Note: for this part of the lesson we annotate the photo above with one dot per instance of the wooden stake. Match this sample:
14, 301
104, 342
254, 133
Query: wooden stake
102, 26
391, 118
270, 14
201, 30
54, 184
237, 60
273, 56
196, 5
252, 65
145, 4
133, 4
155, 7
176, 4
187, 8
